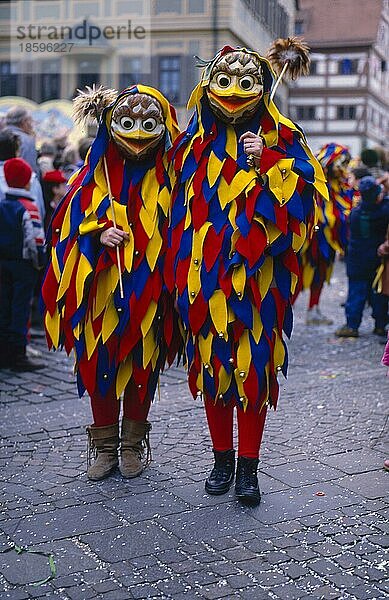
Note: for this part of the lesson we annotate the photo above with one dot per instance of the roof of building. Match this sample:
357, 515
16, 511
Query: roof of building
340, 22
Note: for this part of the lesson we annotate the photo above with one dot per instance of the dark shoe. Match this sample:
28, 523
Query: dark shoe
246, 485
23, 364
346, 332
222, 474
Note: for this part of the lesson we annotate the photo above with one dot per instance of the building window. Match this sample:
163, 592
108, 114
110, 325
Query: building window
88, 73
8, 79
169, 77
196, 6
168, 6
348, 66
272, 15
134, 7
299, 27
305, 113
50, 81
47, 10
313, 67
346, 113
130, 71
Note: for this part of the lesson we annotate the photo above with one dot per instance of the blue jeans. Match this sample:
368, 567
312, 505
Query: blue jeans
359, 292
17, 281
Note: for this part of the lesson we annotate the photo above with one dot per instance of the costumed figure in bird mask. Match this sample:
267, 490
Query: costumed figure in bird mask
331, 232
235, 230
103, 292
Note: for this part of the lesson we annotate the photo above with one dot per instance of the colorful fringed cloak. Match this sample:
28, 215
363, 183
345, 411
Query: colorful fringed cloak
232, 247
318, 253
118, 343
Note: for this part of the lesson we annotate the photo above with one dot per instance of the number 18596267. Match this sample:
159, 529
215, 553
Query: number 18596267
62, 47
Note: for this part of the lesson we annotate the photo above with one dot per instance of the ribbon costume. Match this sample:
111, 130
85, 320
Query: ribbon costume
234, 234
318, 253
120, 343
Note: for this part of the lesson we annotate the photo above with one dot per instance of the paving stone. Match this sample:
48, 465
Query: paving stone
323, 566
225, 568
239, 554
328, 548
127, 542
380, 540
368, 485
294, 570
326, 593
238, 582
303, 472
365, 591
303, 501
117, 594
152, 504
371, 573
288, 591
14, 594
216, 591
343, 580
352, 462
224, 518
25, 568
345, 539
61, 524
285, 542
300, 553
254, 593
347, 560
171, 586
144, 591
78, 592
203, 577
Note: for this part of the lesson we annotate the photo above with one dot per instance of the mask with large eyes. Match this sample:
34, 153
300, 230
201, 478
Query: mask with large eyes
236, 87
137, 126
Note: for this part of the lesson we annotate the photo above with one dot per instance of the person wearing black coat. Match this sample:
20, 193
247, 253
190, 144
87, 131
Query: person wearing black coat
368, 225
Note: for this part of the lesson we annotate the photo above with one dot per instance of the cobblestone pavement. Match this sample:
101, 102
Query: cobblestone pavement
320, 531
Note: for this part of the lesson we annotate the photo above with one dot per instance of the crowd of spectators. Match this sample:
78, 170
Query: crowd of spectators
32, 182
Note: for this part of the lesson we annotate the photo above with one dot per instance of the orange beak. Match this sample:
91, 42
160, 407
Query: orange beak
234, 103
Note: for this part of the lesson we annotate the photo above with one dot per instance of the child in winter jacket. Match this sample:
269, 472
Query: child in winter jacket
21, 257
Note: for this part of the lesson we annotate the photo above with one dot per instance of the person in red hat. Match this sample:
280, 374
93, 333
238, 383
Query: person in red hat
21, 257
54, 188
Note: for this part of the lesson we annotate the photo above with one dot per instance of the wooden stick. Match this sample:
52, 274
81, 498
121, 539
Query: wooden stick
279, 79
114, 224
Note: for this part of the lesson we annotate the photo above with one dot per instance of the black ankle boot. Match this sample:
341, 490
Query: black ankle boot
246, 486
222, 474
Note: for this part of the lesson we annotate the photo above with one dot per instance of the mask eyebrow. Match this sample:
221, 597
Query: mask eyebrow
237, 70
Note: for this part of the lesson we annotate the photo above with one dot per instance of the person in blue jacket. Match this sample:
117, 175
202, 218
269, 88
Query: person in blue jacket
368, 225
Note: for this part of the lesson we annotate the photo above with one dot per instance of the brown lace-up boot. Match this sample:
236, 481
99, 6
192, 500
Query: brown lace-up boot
134, 444
103, 445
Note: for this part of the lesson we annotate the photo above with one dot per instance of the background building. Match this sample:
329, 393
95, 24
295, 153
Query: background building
179, 29
346, 97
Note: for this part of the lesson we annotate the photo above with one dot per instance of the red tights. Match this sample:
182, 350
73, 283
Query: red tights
106, 408
315, 293
250, 428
